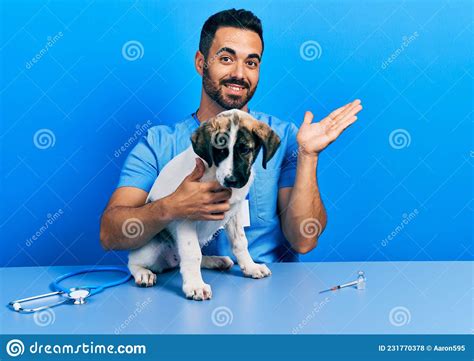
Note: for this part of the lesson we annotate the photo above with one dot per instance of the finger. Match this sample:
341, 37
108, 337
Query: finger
344, 124
338, 111
214, 217
350, 114
308, 117
221, 196
333, 117
213, 186
355, 104
198, 171
218, 207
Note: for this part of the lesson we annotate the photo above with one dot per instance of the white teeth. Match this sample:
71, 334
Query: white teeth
234, 88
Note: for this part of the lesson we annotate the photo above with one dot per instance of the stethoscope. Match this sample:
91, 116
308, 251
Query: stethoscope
75, 295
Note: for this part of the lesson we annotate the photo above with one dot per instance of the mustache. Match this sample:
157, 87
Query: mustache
236, 81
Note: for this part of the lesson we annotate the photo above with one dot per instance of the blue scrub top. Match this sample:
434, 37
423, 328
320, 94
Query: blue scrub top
267, 243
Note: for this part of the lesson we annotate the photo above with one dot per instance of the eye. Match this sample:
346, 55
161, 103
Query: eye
219, 150
226, 59
243, 149
252, 64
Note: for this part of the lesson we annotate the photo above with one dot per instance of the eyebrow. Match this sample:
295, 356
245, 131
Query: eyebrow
254, 56
233, 52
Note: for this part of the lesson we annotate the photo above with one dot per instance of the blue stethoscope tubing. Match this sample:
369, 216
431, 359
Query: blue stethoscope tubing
55, 286
75, 294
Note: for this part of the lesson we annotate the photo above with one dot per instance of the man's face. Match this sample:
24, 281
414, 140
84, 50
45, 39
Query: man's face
231, 70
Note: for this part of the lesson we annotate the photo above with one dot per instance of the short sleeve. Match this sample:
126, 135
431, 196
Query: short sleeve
288, 165
141, 165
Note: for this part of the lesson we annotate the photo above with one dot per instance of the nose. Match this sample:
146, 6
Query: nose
230, 181
238, 70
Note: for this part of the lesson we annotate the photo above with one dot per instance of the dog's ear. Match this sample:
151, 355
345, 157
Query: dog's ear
269, 139
201, 141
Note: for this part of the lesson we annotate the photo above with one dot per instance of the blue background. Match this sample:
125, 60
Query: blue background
91, 98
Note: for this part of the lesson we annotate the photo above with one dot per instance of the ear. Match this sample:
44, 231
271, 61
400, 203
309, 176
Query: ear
199, 62
201, 141
269, 139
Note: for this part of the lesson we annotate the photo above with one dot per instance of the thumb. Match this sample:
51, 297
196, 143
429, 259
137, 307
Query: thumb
308, 118
197, 172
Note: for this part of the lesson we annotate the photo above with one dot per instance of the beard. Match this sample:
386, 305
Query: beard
226, 101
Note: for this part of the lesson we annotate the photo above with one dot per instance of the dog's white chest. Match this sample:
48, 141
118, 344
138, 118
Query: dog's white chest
206, 230
174, 173
245, 213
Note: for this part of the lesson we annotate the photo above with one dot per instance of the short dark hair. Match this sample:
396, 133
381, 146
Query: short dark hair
242, 19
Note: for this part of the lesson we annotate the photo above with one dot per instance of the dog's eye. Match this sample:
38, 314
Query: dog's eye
244, 149
220, 151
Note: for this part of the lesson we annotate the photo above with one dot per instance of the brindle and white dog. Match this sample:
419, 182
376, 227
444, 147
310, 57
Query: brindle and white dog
229, 143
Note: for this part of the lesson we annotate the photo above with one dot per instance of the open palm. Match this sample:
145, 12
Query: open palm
314, 137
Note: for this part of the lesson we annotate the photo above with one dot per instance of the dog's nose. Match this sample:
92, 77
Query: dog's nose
230, 181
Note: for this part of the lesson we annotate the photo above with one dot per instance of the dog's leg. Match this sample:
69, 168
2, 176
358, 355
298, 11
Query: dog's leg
236, 235
190, 262
216, 262
145, 261
143, 276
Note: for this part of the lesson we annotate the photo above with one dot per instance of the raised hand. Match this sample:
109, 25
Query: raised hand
314, 137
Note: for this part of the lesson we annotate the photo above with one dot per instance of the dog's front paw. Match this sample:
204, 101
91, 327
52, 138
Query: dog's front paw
144, 277
197, 291
256, 270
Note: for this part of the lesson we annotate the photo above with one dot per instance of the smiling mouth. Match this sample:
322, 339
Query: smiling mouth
234, 88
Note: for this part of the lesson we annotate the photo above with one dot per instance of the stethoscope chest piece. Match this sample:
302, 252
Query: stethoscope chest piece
79, 295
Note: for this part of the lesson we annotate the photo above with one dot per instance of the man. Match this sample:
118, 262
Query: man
286, 211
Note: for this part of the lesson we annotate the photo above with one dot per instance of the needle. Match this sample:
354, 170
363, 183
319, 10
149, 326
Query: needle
360, 283
340, 286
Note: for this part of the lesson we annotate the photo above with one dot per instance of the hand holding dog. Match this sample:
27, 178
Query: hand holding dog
200, 200
315, 137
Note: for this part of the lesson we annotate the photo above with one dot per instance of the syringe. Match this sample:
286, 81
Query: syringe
360, 283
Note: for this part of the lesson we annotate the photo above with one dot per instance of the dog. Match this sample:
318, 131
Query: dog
229, 144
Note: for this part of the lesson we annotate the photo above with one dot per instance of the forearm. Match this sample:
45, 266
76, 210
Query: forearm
132, 227
305, 217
